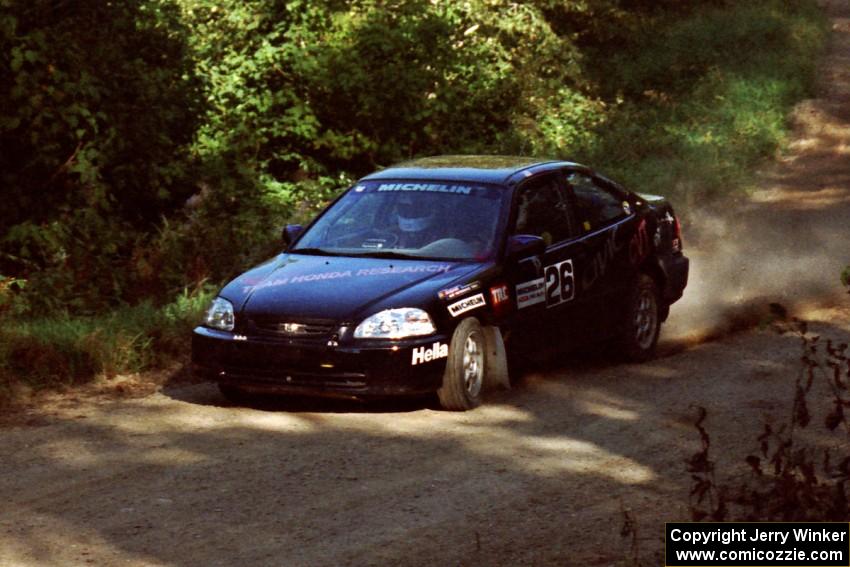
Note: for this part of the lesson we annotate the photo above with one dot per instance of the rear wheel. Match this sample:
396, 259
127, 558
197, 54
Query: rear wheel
463, 379
643, 321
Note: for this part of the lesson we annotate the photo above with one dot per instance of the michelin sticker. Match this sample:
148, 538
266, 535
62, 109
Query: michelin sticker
422, 354
429, 187
468, 304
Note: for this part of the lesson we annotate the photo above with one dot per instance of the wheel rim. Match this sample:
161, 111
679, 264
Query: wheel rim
646, 319
473, 365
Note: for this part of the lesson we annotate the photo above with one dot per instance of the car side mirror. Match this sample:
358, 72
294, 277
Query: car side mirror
289, 233
522, 246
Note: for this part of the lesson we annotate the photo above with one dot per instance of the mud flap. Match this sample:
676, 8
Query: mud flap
496, 361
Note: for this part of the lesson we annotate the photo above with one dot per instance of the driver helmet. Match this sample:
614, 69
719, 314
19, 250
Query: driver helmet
416, 213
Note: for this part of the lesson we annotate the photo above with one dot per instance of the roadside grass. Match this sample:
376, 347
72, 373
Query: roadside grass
61, 351
701, 101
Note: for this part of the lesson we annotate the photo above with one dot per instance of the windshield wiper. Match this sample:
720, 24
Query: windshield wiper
388, 254
313, 251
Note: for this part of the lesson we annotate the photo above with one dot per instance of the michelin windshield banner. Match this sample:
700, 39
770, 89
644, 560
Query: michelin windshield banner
758, 544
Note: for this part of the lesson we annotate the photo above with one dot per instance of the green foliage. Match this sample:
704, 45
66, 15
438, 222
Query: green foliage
10, 288
114, 115
99, 106
306, 89
689, 115
63, 350
845, 277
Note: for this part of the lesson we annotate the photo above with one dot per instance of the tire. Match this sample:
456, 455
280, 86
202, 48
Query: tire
643, 322
463, 379
519, 364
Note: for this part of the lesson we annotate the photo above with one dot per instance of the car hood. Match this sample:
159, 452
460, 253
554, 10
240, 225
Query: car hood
338, 288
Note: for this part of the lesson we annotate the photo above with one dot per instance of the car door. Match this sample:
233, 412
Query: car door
545, 288
608, 228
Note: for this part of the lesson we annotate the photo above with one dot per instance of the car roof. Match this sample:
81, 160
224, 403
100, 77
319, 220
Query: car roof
474, 168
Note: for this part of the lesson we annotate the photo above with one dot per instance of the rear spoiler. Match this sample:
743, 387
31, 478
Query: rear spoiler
653, 199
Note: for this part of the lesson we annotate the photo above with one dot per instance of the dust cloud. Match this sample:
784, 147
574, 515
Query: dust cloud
753, 268
779, 251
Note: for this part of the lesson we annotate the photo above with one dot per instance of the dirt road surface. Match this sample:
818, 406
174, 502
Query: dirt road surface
538, 476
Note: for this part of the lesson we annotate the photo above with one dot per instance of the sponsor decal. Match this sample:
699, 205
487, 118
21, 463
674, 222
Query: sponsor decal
373, 243
386, 270
560, 283
423, 354
335, 275
499, 294
468, 304
248, 282
429, 187
458, 290
530, 293
602, 259
639, 244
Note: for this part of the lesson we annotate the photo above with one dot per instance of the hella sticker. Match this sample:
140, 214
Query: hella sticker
468, 304
422, 354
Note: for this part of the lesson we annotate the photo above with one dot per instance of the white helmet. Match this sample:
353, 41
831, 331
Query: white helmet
414, 214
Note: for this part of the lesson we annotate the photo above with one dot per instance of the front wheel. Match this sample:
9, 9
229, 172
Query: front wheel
463, 378
643, 322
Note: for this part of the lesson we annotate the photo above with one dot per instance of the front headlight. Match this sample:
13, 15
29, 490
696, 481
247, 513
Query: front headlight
395, 324
220, 315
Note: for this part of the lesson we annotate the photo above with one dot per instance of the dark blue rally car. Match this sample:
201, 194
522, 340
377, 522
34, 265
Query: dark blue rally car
432, 275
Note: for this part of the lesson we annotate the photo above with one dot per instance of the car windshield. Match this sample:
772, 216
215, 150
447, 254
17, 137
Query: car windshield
410, 219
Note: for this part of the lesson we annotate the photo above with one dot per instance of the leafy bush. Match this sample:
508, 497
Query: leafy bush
99, 104
790, 481
163, 132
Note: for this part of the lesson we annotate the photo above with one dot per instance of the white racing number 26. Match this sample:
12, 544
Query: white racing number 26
560, 283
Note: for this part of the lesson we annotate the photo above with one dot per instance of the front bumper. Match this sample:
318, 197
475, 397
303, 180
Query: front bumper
376, 368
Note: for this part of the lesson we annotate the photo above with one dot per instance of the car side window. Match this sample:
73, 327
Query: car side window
542, 210
596, 206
